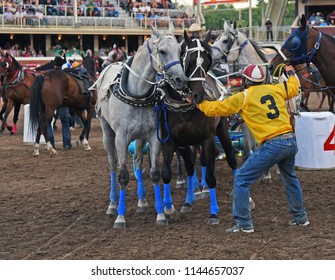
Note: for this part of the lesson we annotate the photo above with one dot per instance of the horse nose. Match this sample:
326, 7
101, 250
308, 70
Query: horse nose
181, 82
198, 97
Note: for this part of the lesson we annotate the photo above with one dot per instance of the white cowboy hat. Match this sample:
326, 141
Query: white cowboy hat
196, 28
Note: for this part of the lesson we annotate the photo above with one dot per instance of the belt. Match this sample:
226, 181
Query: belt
282, 136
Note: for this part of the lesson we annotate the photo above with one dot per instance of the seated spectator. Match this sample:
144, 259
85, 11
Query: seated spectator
61, 8
317, 18
40, 18
9, 17
30, 7
81, 8
111, 11
331, 16
323, 23
20, 16
92, 9
69, 9
51, 6
40, 54
311, 20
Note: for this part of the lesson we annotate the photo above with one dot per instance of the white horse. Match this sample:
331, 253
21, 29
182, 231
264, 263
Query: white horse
127, 95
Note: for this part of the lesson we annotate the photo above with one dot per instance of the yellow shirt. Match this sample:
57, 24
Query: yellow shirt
262, 107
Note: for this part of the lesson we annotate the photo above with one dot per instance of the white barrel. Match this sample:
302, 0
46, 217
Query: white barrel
29, 135
315, 132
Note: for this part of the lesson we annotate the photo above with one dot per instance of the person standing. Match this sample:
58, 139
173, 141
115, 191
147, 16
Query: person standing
269, 33
63, 114
263, 108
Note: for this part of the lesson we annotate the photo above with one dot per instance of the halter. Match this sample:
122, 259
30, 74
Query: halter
161, 68
199, 48
300, 50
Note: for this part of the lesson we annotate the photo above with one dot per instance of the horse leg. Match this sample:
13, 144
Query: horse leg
209, 147
86, 118
36, 151
222, 132
108, 139
121, 148
9, 108
142, 204
164, 208
3, 110
192, 192
180, 178
17, 108
205, 190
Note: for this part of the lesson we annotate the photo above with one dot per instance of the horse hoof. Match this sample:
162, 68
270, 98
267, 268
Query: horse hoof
252, 204
205, 192
88, 148
120, 222
77, 143
119, 225
180, 184
161, 220
213, 220
171, 215
186, 208
112, 209
197, 194
141, 209
36, 153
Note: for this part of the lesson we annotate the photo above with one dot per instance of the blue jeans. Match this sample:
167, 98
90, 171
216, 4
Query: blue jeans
64, 116
281, 152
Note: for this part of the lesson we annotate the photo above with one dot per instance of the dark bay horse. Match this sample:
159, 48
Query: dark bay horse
15, 88
55, 89
305, 45
189, 126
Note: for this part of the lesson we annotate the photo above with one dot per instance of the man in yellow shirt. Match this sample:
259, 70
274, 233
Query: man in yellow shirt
263, 108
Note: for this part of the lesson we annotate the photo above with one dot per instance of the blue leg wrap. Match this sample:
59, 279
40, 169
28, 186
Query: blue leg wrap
167, 197
203, 176
195, 181
214, 208
113, 192
190, 192
141, 192
121, 210
158, 199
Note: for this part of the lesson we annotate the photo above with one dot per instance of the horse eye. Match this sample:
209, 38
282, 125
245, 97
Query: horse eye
162, 52
225, 41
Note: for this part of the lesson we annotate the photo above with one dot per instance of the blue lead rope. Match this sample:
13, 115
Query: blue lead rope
163, 109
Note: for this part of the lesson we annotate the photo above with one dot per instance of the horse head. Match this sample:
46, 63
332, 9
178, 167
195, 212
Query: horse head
299, 47
6, 64
197, 61
165, 51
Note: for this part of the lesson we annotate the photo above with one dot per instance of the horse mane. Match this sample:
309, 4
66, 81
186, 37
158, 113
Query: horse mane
258, 49
16, 63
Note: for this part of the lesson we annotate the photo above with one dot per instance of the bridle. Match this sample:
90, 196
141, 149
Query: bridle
199, 62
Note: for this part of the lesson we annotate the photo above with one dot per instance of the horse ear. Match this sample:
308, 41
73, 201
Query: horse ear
155, 31
208, 36
186, 37
303, 21
225, 26
171, 28
234, 24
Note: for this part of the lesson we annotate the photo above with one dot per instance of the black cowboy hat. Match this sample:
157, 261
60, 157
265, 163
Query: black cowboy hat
58, 61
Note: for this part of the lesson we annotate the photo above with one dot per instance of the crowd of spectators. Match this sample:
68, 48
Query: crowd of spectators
319, 19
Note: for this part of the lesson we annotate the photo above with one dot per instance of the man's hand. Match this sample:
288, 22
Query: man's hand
188, 99
289, 70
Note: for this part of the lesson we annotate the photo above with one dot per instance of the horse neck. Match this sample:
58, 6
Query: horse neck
142, 71
324, 60
249, 55
12, 73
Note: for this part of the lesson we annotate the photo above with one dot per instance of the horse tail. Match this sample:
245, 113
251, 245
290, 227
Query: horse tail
36, 101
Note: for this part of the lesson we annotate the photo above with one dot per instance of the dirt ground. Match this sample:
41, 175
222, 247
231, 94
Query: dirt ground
54, 208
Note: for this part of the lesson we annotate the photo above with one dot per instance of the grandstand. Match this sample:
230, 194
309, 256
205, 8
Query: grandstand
86, 31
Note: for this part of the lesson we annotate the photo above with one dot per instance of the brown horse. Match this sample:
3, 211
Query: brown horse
305, 45
55, 89
311, 81
15, 88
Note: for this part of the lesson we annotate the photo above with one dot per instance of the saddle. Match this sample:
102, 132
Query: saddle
84, 81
